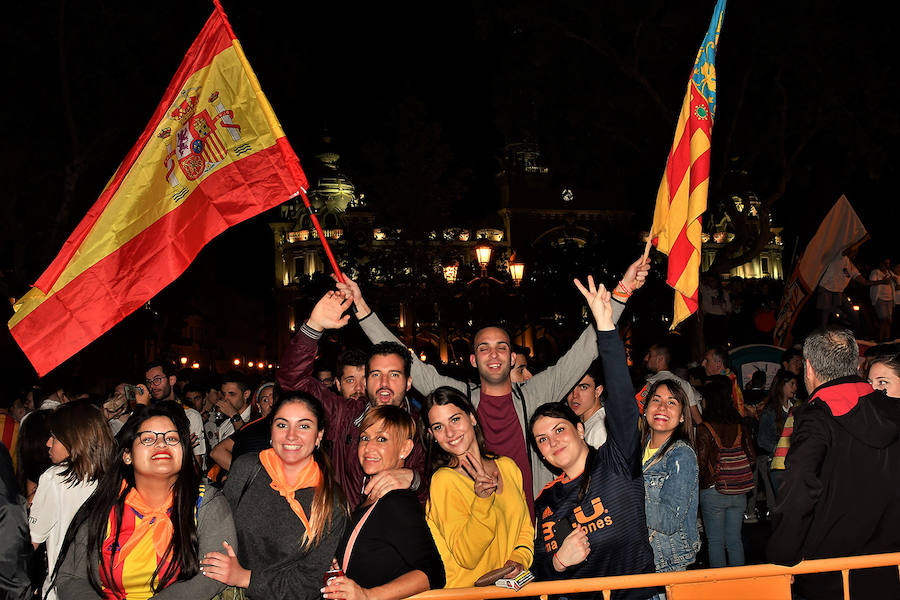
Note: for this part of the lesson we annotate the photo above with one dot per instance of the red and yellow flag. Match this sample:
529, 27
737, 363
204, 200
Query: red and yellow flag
212, 156
682, 193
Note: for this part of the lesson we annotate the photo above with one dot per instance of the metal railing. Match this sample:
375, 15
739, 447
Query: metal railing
751, 581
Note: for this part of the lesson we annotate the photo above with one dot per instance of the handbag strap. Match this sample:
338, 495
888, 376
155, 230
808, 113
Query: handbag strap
353, 536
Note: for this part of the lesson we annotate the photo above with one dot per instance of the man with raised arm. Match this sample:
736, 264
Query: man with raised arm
382, 377
498, 401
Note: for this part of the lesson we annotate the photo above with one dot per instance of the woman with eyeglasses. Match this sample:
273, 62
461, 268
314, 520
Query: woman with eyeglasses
143, 531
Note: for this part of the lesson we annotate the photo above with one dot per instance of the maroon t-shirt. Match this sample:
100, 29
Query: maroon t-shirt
503, 435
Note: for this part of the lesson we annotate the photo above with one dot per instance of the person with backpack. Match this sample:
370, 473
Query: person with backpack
724, 455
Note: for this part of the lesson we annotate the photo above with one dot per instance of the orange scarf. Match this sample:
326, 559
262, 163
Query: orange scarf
154, 520
310, 476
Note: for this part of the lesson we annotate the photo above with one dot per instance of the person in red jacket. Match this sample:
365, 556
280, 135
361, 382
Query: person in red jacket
387, 379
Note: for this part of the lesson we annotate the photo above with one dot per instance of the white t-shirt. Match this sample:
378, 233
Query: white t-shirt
196, 427
55, 503
595, 428
883, 292
838, 274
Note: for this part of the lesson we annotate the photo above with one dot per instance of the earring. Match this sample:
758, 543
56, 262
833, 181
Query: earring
402, 456
127, 461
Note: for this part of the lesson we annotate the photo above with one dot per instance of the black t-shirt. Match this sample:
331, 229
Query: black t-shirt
252, 437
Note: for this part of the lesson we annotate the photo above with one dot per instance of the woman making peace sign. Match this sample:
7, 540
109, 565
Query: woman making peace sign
476, 508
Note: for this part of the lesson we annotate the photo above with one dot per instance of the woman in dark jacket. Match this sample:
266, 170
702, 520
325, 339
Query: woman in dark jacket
387, 551
590, 520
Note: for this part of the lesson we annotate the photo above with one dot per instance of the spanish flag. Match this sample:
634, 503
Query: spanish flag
682, 193
212, 156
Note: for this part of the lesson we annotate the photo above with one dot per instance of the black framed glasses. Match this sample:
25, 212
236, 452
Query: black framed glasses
148, 438
156, 380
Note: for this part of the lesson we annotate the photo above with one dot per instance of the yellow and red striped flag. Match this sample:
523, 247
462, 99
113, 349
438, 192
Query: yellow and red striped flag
212, 156
682, 193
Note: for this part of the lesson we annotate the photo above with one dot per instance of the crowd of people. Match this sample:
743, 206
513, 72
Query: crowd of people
382, 477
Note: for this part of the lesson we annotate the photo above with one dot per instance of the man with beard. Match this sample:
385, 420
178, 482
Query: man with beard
159, 375
499, 401
363, 382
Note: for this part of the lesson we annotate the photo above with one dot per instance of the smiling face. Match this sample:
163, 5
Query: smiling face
453, 429
382, 448
493, 355
561, 443
584, 399
295, 434
882, 377
158, 459
387, 382
663, 412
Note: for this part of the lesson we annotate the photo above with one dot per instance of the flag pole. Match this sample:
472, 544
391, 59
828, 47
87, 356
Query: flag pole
290, 157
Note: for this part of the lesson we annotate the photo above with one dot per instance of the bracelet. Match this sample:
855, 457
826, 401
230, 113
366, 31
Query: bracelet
561, 563
624, 288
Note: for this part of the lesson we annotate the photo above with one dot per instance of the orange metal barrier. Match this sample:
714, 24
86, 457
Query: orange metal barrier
751, 582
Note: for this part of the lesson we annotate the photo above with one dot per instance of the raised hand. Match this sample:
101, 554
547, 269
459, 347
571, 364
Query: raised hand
598, 301
636, 274
326, 314
349, 288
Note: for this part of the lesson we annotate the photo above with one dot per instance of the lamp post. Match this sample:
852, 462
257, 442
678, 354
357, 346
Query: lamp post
516, 271
483, 255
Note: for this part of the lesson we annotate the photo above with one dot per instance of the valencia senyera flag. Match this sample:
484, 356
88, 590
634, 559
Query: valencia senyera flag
212, 156
682, 193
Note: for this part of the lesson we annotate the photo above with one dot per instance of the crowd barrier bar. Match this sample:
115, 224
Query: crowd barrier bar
747, 581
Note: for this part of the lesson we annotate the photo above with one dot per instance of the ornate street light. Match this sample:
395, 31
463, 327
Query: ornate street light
516, 271
483, 255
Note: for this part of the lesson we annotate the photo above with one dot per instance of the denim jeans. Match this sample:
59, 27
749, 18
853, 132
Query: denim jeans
723, 517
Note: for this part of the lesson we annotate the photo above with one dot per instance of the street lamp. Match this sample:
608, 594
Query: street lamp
184, 360
237, 362
516, 271
483, 255
196, 365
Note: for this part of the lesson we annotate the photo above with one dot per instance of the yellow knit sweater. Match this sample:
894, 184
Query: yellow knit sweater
476, 535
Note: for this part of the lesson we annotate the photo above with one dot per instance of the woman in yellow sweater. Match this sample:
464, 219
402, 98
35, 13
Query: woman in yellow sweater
476, 509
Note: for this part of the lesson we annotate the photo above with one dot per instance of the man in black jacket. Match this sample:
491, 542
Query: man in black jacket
839, 495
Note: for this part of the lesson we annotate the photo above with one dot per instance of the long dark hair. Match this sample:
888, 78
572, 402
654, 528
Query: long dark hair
775, 400
685, 430
561, 410
719, 405
182, 551
329, 492
435, 456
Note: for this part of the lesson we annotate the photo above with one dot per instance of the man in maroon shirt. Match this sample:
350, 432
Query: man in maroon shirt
387, 380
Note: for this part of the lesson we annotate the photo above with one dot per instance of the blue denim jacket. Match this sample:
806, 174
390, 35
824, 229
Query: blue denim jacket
670, 501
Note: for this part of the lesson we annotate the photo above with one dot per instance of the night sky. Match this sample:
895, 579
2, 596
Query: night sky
423, 96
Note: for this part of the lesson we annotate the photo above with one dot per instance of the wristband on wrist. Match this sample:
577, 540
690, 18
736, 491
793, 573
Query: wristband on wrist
561, 563
625, 289
310, 332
